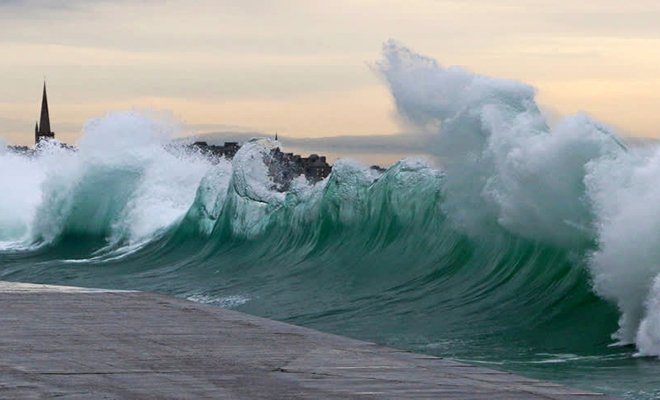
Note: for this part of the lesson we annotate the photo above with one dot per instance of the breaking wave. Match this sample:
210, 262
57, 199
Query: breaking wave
515, 243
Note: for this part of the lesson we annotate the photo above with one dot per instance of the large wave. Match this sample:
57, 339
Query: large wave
503, 238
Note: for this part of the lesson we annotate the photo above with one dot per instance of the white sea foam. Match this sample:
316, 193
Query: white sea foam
211, 195
122, 184
253, 193
503, 164
626, 201
231, 301
571, 186
163, 181
20, 188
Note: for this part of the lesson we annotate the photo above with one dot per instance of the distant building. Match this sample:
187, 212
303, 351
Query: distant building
41, 132
42, 129
23, 150
315, 167
283, 167
228, 150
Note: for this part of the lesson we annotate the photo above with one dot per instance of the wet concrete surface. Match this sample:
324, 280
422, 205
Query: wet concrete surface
72, 343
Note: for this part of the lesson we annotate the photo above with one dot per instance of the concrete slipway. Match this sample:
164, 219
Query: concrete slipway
70, 343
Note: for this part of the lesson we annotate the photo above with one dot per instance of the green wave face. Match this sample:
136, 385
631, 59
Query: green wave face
370, 256
515, 245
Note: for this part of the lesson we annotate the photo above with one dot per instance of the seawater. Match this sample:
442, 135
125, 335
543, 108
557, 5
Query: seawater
520, 247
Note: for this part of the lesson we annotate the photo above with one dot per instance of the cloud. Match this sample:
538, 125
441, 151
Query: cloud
24, 8
402, 143
273, 53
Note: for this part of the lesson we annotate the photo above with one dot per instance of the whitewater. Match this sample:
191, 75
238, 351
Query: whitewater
517, 245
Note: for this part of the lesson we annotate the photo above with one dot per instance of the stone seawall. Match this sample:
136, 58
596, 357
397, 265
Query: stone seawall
77, 343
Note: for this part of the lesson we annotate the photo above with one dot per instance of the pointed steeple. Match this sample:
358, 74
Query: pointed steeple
44, 122
42, 130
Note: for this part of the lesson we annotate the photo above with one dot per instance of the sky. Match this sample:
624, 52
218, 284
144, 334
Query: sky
304, 68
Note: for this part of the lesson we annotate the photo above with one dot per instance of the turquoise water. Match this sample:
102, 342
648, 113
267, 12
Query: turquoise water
517, 246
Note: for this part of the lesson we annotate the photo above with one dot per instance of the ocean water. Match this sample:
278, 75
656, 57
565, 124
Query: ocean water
516, 246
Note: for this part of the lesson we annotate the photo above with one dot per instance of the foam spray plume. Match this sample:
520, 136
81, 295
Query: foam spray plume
576, 186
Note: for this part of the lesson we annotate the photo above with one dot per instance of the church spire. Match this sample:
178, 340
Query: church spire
44, 123
43, 130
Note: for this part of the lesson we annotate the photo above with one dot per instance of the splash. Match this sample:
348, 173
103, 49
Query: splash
504, 166
575, 186
20, 198
122, 185
625, 195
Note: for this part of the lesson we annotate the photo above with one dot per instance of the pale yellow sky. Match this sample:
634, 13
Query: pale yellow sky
301, 68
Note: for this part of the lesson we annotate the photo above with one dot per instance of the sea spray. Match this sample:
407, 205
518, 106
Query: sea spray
576, 186
20, 183
210, 198
252, 193
503, 165
626, 200
121, 185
